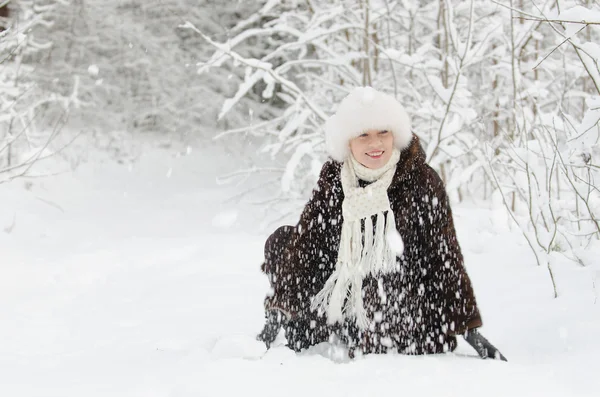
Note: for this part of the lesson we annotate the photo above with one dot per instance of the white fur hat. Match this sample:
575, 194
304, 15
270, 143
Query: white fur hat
363, 109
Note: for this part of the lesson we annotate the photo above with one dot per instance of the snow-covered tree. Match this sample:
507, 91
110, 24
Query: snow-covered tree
503, 94
132, 61
544, 168
31, 116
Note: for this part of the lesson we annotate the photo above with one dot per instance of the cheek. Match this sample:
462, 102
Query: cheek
356, 148
389, 142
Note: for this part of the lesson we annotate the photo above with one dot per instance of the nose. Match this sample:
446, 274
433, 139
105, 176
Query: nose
374, 141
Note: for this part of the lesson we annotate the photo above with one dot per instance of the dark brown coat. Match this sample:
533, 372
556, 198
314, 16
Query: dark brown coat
418, 309
4, 13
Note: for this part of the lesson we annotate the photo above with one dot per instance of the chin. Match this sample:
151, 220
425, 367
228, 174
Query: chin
374, 164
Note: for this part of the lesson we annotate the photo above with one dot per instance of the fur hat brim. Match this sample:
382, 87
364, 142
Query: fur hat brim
364, 109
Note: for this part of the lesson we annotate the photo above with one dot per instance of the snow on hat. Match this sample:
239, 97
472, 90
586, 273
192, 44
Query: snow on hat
363, 109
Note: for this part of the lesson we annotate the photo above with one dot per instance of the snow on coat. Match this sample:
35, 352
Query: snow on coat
418, 309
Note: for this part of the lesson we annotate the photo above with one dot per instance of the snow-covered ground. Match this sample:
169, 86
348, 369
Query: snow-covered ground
138, 280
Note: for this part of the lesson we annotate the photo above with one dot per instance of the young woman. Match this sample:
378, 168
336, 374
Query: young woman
374, 258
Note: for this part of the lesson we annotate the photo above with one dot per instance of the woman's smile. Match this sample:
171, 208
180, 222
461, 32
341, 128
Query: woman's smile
376, 154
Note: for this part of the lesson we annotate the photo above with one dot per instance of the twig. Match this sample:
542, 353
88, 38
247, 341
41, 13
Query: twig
9, 229
584, 22
51, 204
265, 67
556, 48
455, 86
506, 205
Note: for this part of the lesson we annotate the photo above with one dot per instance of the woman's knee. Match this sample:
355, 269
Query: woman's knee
304, 333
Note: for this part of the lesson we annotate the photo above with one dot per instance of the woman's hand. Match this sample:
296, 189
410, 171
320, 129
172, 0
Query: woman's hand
482, 346
275, 319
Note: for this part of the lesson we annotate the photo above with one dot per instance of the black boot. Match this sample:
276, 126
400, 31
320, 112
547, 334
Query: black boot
482, 346
274, 320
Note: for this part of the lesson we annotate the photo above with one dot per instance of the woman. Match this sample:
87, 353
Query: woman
374, 258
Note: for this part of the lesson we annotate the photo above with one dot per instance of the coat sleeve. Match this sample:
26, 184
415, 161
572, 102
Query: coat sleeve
446, 292
297, 263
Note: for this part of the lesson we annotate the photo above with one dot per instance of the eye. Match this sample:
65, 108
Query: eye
363, 135
383, 132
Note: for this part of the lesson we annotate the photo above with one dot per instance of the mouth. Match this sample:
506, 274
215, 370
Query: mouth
376, 154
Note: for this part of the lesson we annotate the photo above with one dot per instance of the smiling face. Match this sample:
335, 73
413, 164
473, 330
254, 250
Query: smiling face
373, 148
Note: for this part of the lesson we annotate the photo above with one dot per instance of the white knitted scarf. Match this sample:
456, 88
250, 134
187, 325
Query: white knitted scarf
358, 257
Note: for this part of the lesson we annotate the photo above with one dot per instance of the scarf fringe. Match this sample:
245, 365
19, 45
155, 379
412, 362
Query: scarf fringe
342, 293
